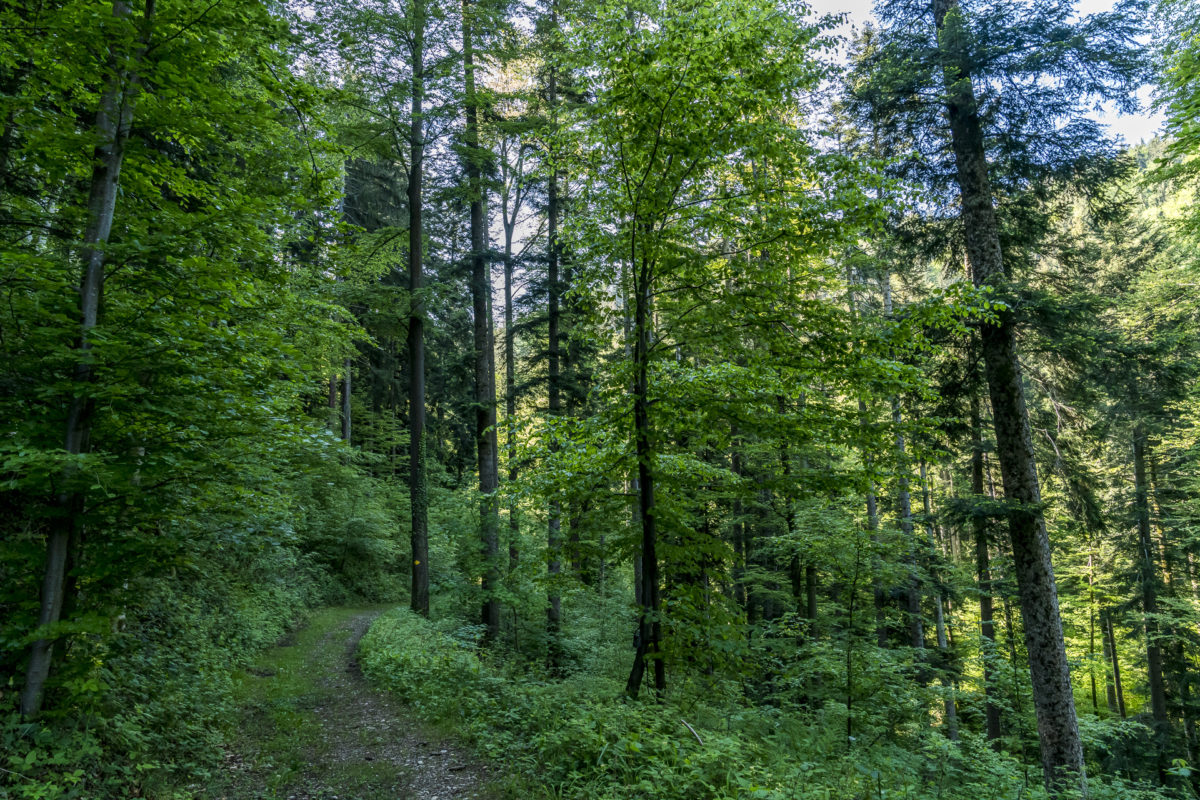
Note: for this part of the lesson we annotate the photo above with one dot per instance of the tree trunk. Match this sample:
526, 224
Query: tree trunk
581, 565
1054, 700
485, 363
1110, 688
912, 592
880, 597
1092, 633
112, 126
1014, 664
810, 599
333, 403
1177, 668
1158, 525
738, 532
1058, 728
939, 616
635, 487
510, 403
510, 367
554, 526
1111, 644
649, 627
583, 558
417, 479
1148, 577
810, 577
987, 628
881, 630
346, 387
803, 576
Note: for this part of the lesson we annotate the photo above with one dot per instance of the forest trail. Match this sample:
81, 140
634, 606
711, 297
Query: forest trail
312, 728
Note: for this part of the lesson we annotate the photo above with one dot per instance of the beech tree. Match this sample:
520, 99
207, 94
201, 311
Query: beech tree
112, 127
667, 117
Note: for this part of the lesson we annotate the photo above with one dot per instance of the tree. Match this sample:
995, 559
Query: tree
667, 119
553, 336
392, 57
487, 455
112, 128
1059, 67
417, 477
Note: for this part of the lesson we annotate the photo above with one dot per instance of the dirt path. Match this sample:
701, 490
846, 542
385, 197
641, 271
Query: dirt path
312, 728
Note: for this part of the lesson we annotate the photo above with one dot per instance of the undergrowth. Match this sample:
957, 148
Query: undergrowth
580, 737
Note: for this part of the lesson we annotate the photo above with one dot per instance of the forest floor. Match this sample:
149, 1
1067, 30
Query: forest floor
312, 728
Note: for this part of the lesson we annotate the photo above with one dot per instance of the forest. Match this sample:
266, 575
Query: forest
711, 399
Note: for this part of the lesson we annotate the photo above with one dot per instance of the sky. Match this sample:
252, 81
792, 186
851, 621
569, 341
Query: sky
1133, 128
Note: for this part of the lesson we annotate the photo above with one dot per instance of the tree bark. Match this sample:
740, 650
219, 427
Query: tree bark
485, 358
1177, 669
112, 126
1092, 633
1110, 641
803, 575
912, 592
810, 578
346, 387
879, 596
584, 558
554, 525
738, 532
810, 599
649, 627
939, 616
1158, 524
1054, 700
635, 487
987, 628
333, 404
554, 391
417, 478
881, 629
510, 369
1110, 688
1148, 577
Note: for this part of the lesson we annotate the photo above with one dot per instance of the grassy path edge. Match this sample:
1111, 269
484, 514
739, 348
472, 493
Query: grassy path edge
311, 727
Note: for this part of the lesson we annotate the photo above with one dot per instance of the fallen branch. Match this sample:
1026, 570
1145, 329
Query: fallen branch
693, 730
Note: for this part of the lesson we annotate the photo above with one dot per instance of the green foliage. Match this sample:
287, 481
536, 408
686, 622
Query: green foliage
255, 259
214, 508
1179, 54
145, 695
580, 738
